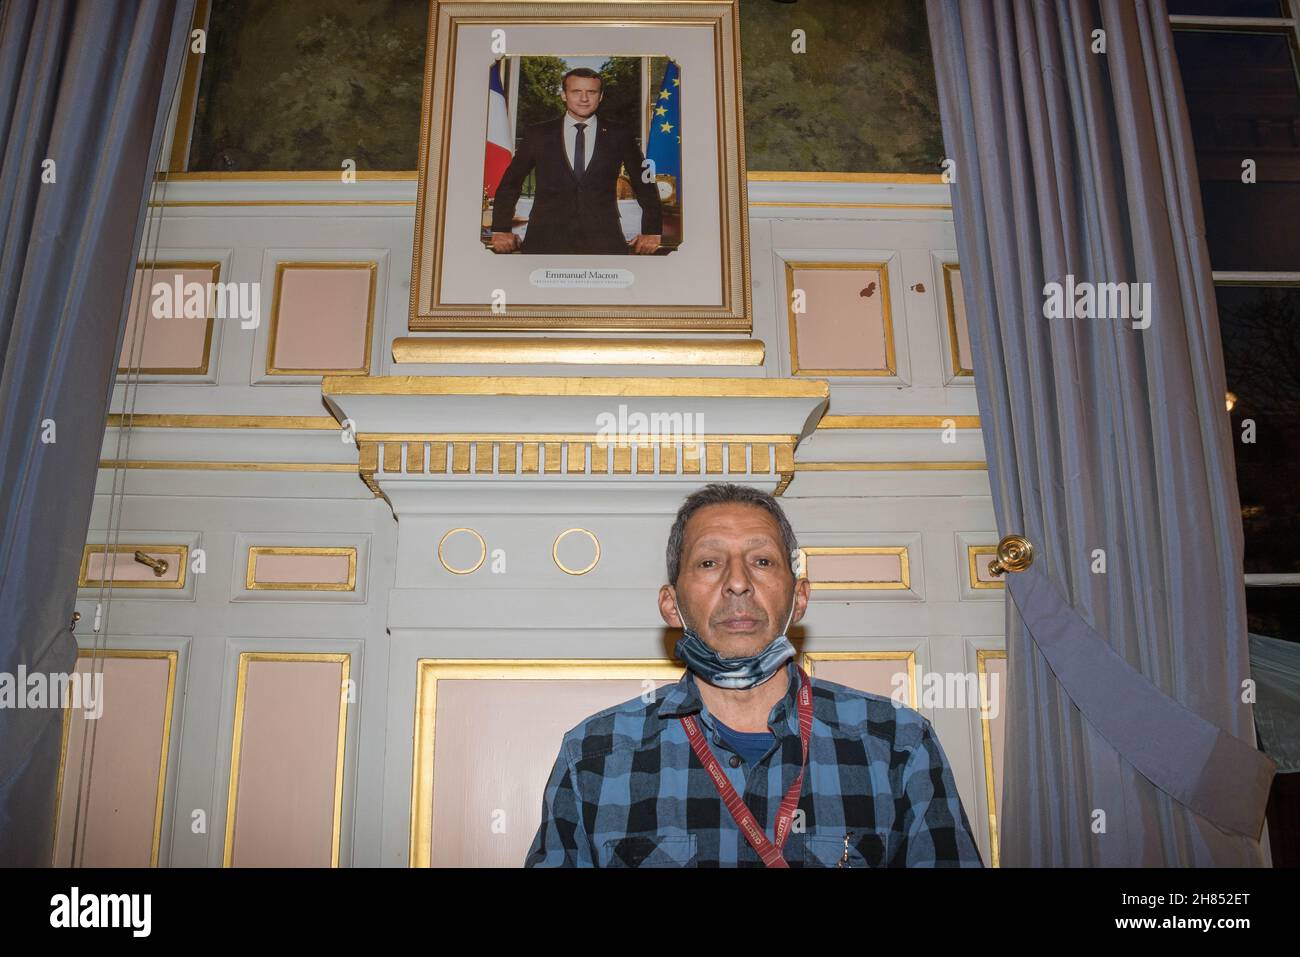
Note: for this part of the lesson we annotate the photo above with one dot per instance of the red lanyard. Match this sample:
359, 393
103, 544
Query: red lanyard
769, 852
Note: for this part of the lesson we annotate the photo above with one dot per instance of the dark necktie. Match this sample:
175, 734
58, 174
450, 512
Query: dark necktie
580, 150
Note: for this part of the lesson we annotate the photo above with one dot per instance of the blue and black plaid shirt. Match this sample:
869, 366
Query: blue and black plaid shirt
628, 791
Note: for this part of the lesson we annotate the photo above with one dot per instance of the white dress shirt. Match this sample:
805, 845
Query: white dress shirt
571, 137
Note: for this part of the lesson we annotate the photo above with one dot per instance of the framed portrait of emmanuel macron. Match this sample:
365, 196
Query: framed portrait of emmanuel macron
582, 166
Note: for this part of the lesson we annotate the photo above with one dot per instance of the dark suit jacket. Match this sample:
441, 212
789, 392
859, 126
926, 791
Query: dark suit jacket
570, 215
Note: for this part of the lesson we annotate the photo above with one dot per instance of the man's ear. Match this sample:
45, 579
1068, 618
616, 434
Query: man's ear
802, 590
668, 608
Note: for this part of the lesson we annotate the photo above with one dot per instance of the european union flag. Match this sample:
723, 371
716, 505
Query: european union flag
665, 145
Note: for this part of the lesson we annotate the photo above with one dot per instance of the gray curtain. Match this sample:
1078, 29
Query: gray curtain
85, 85
1128, 742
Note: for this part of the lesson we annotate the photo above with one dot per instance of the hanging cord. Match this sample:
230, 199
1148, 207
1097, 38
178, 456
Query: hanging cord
130, 395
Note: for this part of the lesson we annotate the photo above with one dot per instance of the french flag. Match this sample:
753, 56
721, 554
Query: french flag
499, 146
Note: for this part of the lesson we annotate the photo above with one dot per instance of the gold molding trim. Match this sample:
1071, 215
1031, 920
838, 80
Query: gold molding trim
990, 787
757, 176
802, 204
193, 72
293, 175
886, 315
587, 351
411, 175
414, 174
181, 554
161, 267
255, 551
183, 420
647, 387
890, 466
171, 657
953, 351
816, 176
555, 551
898, 421
169, 464
281, 268
179, 203
237, 739
482, 552
494, 456
904, 573
324, 423
816, 205
605, 441
429, 671
808, 660
368, 465
972, 561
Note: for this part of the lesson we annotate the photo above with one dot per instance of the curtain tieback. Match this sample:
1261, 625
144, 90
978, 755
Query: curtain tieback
1216, 774
1015, 554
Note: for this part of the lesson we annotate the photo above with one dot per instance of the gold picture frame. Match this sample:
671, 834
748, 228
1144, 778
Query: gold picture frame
702, 286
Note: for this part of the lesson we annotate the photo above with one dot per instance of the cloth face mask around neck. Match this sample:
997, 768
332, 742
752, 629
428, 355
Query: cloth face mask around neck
733, 673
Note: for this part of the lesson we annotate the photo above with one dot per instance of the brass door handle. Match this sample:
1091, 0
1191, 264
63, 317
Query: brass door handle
158, 565
1015, 554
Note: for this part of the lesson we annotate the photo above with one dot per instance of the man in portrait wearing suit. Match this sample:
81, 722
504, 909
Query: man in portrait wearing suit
575, 204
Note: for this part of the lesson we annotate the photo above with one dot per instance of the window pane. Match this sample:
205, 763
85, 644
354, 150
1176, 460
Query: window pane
1243, 100
1227, 8
1274, 612
1260, 326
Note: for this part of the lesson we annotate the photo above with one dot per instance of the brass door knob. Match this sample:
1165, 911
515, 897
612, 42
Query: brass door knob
1015, 554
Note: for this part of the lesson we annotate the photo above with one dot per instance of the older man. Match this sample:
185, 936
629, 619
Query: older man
746, 761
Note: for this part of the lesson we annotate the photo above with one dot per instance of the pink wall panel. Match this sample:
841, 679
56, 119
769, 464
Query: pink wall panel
301, 568
873, 675
322, 318
843, 328
982, 573
126, 568
284, 812
494, 746
855, 568
170, 343
119, 795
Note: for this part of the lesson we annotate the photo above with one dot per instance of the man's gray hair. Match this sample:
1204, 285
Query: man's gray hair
725, 493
